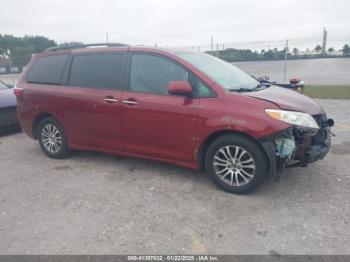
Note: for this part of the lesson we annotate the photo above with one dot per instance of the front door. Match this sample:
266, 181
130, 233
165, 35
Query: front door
154, 122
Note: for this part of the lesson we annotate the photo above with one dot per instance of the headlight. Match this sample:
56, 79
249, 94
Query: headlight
292, 117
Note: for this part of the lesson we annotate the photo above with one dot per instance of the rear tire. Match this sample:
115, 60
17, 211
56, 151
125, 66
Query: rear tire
236, 164
52, 138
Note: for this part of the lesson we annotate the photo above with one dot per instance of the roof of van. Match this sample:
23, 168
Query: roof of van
111, 47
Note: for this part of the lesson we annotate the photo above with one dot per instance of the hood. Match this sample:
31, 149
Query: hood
7, 98
287, 99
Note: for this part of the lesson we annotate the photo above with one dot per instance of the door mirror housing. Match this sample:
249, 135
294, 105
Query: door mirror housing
182, 88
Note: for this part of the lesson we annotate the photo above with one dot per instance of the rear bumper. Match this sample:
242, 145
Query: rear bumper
8, 118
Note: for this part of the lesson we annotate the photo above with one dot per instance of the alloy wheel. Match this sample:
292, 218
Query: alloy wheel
234, 165
51, 138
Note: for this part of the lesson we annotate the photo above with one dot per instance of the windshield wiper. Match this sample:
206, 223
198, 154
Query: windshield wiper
262, 85
241, 89
244, 89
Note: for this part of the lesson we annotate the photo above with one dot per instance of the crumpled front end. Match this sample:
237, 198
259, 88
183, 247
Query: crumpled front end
298, 146
312, 147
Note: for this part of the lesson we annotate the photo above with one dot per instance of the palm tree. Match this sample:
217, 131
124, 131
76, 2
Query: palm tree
346, 49
318, 48
295, 51
331, 50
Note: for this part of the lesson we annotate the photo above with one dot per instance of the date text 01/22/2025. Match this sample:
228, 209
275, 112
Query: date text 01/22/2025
173, 258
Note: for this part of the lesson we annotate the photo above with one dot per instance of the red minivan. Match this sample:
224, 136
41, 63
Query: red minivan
182, 107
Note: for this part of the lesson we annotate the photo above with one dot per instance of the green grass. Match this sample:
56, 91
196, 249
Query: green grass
328, 91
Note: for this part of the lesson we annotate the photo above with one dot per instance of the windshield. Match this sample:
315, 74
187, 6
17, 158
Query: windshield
226, 74
3, 86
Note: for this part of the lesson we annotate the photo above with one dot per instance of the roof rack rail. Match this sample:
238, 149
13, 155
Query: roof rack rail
57, 48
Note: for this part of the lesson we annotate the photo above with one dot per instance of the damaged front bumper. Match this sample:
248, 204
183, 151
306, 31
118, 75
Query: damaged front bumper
298, 146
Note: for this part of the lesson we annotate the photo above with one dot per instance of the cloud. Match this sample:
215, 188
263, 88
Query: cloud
175, 23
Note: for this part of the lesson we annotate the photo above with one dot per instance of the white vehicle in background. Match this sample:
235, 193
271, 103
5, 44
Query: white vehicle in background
3, 70
14, 70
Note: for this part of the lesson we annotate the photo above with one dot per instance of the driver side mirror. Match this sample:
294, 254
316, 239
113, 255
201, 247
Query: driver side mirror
181, 87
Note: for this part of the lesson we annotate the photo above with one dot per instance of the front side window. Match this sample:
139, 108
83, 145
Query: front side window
226, 74
47, 70
204, 91
96, 70
152, 74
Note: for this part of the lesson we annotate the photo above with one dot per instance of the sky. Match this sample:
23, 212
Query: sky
180, 23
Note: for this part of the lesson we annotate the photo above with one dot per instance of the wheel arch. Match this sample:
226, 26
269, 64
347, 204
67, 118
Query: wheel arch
36, 122
219, 133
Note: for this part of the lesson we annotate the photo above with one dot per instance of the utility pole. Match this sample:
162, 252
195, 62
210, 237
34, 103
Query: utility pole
107, 38
7, 55
285, 62
217, 50
211, 43
324, 42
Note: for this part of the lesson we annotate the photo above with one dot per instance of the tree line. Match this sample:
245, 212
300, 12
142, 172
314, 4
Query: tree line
20, 49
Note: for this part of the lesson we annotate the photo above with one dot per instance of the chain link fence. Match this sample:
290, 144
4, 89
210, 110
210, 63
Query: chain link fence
258, 53
301, 48
282, 60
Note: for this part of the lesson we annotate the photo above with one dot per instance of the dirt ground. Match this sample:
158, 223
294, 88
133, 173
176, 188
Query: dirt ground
95, 203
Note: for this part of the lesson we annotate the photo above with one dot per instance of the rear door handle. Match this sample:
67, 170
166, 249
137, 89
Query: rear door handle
110, 100
130, 102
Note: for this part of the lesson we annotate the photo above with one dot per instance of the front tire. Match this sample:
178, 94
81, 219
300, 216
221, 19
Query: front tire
236, 164
52, 138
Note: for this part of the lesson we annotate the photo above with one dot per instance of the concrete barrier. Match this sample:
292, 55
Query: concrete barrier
323, 71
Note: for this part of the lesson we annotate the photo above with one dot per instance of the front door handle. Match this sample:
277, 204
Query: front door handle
130, 102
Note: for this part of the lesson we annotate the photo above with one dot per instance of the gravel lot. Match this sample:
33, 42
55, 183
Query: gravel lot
101, 204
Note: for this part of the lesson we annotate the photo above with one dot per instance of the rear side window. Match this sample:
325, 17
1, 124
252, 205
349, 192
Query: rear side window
96, 70
47, 70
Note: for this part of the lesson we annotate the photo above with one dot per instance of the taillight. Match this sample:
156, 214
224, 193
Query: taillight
18, 91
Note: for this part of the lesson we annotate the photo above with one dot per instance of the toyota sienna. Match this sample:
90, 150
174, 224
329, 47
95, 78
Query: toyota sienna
182, 107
